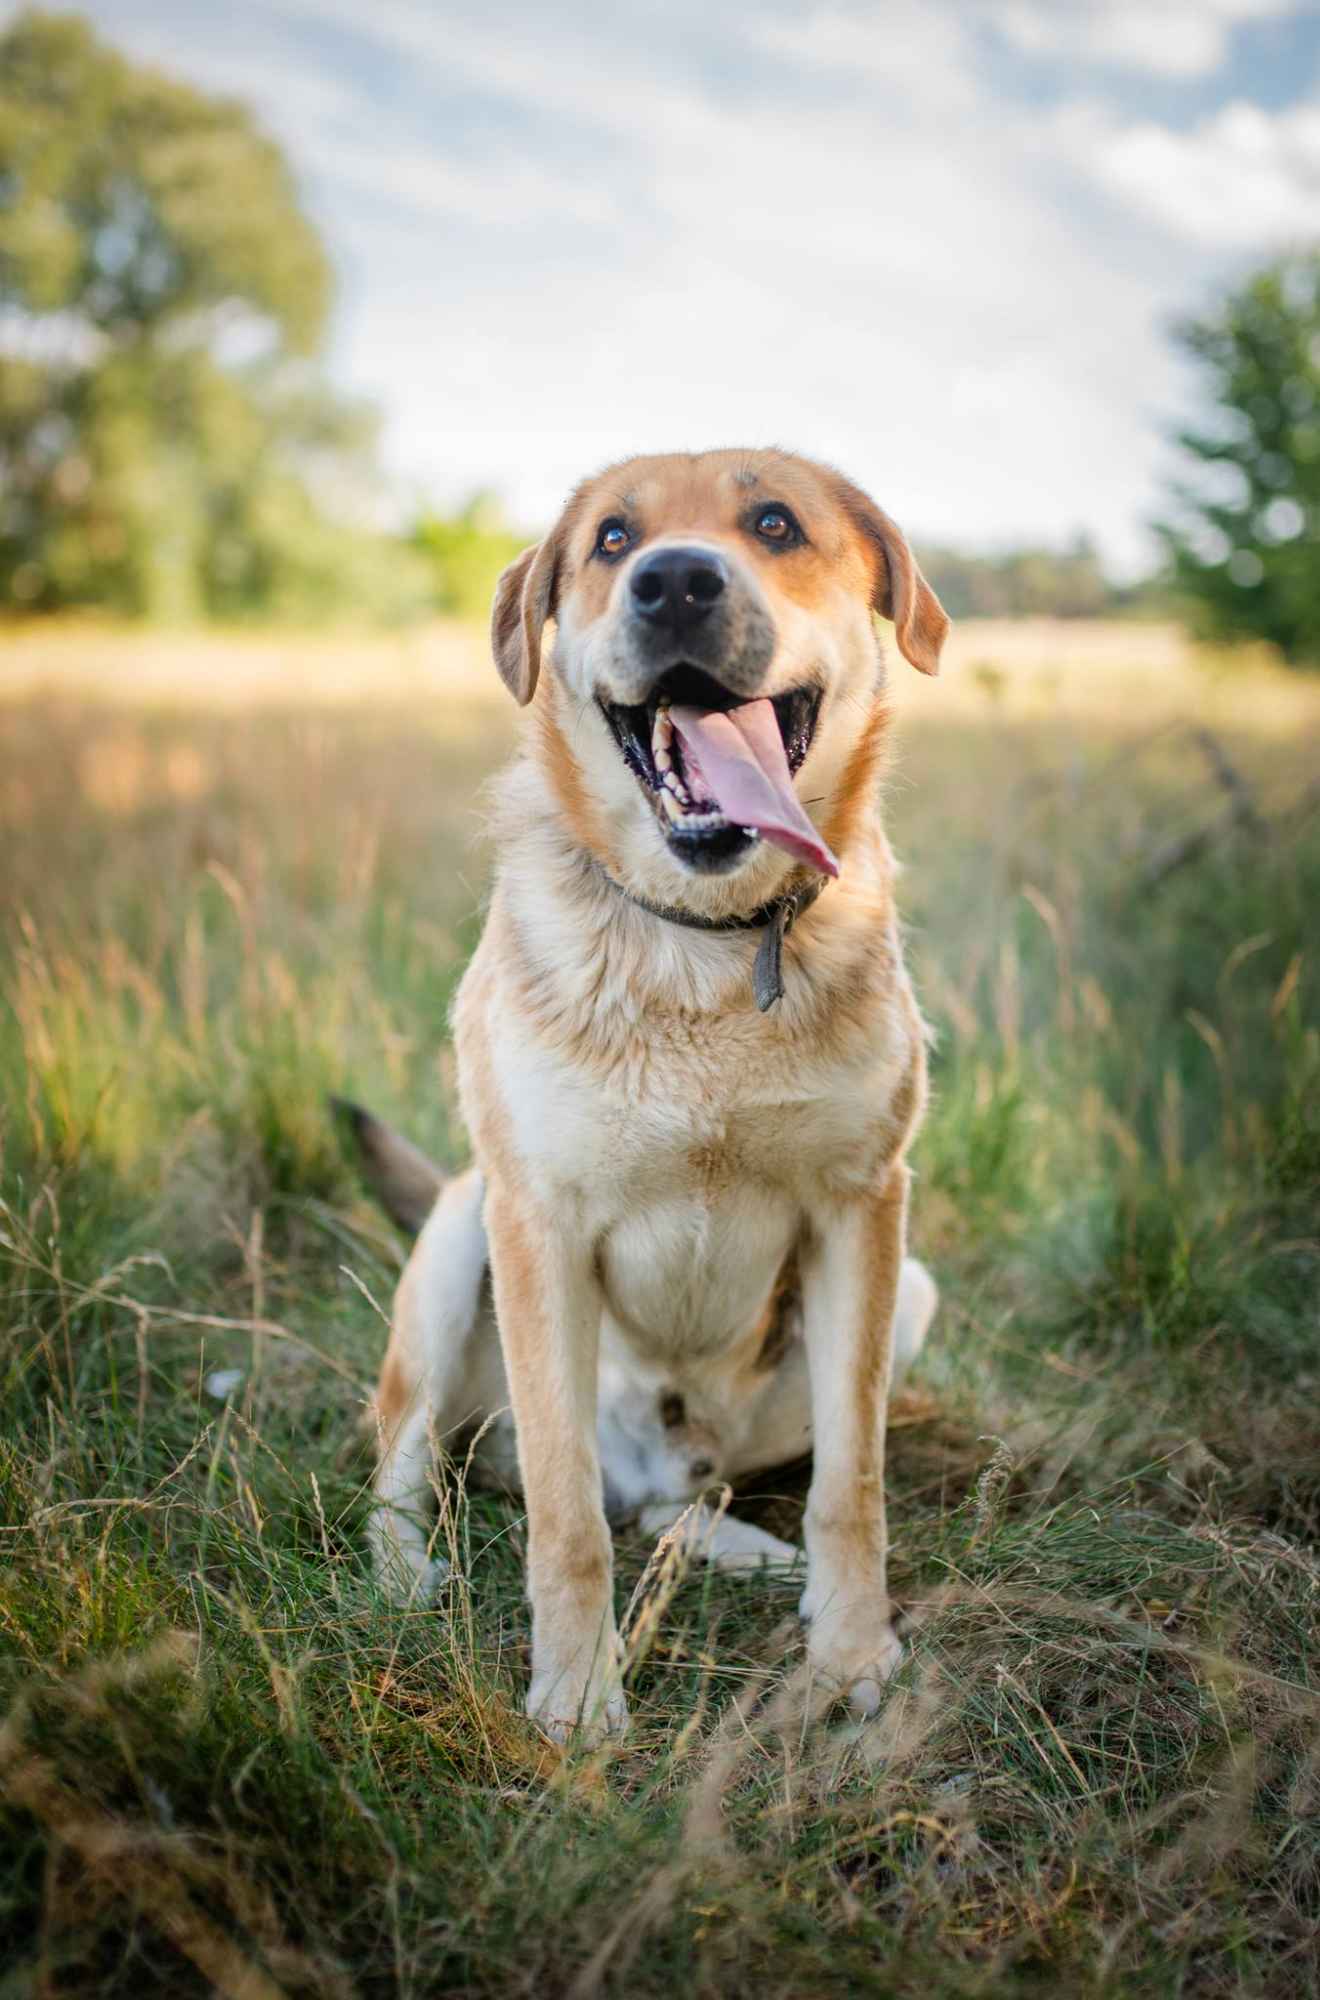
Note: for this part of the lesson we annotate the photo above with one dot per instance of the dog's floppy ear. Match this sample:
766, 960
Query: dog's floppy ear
524, 599
902, 593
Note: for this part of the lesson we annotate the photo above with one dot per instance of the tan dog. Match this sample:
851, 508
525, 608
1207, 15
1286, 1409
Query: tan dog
688, 1208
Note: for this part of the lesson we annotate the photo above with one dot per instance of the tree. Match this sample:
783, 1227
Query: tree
465, 553
1022, 583
164, 435
1243, 540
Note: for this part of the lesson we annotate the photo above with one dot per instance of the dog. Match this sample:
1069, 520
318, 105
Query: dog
691, 1064
660, 1449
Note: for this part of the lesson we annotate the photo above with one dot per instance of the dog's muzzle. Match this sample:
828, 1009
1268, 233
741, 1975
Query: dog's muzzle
686, 606
676, 590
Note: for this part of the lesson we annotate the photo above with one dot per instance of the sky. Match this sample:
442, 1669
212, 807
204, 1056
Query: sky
937, 242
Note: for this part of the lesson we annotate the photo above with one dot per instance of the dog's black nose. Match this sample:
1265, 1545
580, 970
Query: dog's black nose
678, 587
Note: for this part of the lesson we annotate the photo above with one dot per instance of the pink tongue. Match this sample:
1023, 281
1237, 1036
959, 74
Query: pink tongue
740, 755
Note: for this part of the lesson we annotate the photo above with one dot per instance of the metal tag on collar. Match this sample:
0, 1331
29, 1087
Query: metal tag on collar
768, 972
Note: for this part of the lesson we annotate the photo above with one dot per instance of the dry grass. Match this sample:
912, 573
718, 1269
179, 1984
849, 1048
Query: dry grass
241, 874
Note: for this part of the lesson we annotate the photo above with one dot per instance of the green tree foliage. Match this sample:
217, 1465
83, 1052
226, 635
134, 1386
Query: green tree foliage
465, 553
167, 448
1021, 583
1245, 527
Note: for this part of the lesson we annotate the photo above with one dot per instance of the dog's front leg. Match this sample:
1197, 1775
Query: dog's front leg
850, 1284
548, 1304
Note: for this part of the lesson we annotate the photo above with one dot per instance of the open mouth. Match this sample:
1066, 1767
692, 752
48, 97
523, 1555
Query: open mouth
719, 771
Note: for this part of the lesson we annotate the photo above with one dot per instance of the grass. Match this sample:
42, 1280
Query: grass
226, 1766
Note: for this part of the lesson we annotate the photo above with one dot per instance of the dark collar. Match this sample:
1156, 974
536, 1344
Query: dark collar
774, 920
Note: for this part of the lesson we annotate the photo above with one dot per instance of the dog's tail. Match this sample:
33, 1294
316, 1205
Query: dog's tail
403, 1180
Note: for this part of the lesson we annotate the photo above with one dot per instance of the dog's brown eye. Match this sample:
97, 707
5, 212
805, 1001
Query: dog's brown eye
776, 524
612, 538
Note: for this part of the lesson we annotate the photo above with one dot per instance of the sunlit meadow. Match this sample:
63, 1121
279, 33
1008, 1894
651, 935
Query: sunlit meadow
239, 875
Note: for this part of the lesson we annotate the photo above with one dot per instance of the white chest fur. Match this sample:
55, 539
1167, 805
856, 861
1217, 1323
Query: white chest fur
686, 1143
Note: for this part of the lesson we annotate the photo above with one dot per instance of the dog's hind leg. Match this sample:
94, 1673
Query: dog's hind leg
781, 1430
719, 1539
427, 1384
396, 1530
918, 1296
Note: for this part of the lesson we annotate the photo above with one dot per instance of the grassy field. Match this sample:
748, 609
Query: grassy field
238, 875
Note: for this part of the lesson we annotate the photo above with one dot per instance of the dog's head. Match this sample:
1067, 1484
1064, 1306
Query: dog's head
715, 653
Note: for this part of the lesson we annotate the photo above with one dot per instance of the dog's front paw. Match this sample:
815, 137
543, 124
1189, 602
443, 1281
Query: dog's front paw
853, 1650
581, 1708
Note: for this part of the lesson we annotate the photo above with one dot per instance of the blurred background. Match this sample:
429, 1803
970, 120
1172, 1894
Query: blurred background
311, 312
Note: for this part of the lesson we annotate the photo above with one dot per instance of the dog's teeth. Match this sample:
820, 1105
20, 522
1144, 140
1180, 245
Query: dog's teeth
662, 762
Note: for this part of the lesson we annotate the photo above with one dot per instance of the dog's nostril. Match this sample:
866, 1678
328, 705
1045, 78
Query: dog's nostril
701, 1468
677, 587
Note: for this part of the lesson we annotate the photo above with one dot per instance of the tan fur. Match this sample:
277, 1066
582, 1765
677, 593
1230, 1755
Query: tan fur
394, 1392
688, 1208
567, 780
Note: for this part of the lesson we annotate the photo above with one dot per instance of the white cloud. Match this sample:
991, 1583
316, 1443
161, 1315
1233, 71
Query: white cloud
1243, 179
1170, 38
537, 57
918, 53
418, 178
565, 235
865, 279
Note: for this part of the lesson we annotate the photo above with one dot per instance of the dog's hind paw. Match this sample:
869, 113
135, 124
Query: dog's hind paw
407, 1578
432, 1576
